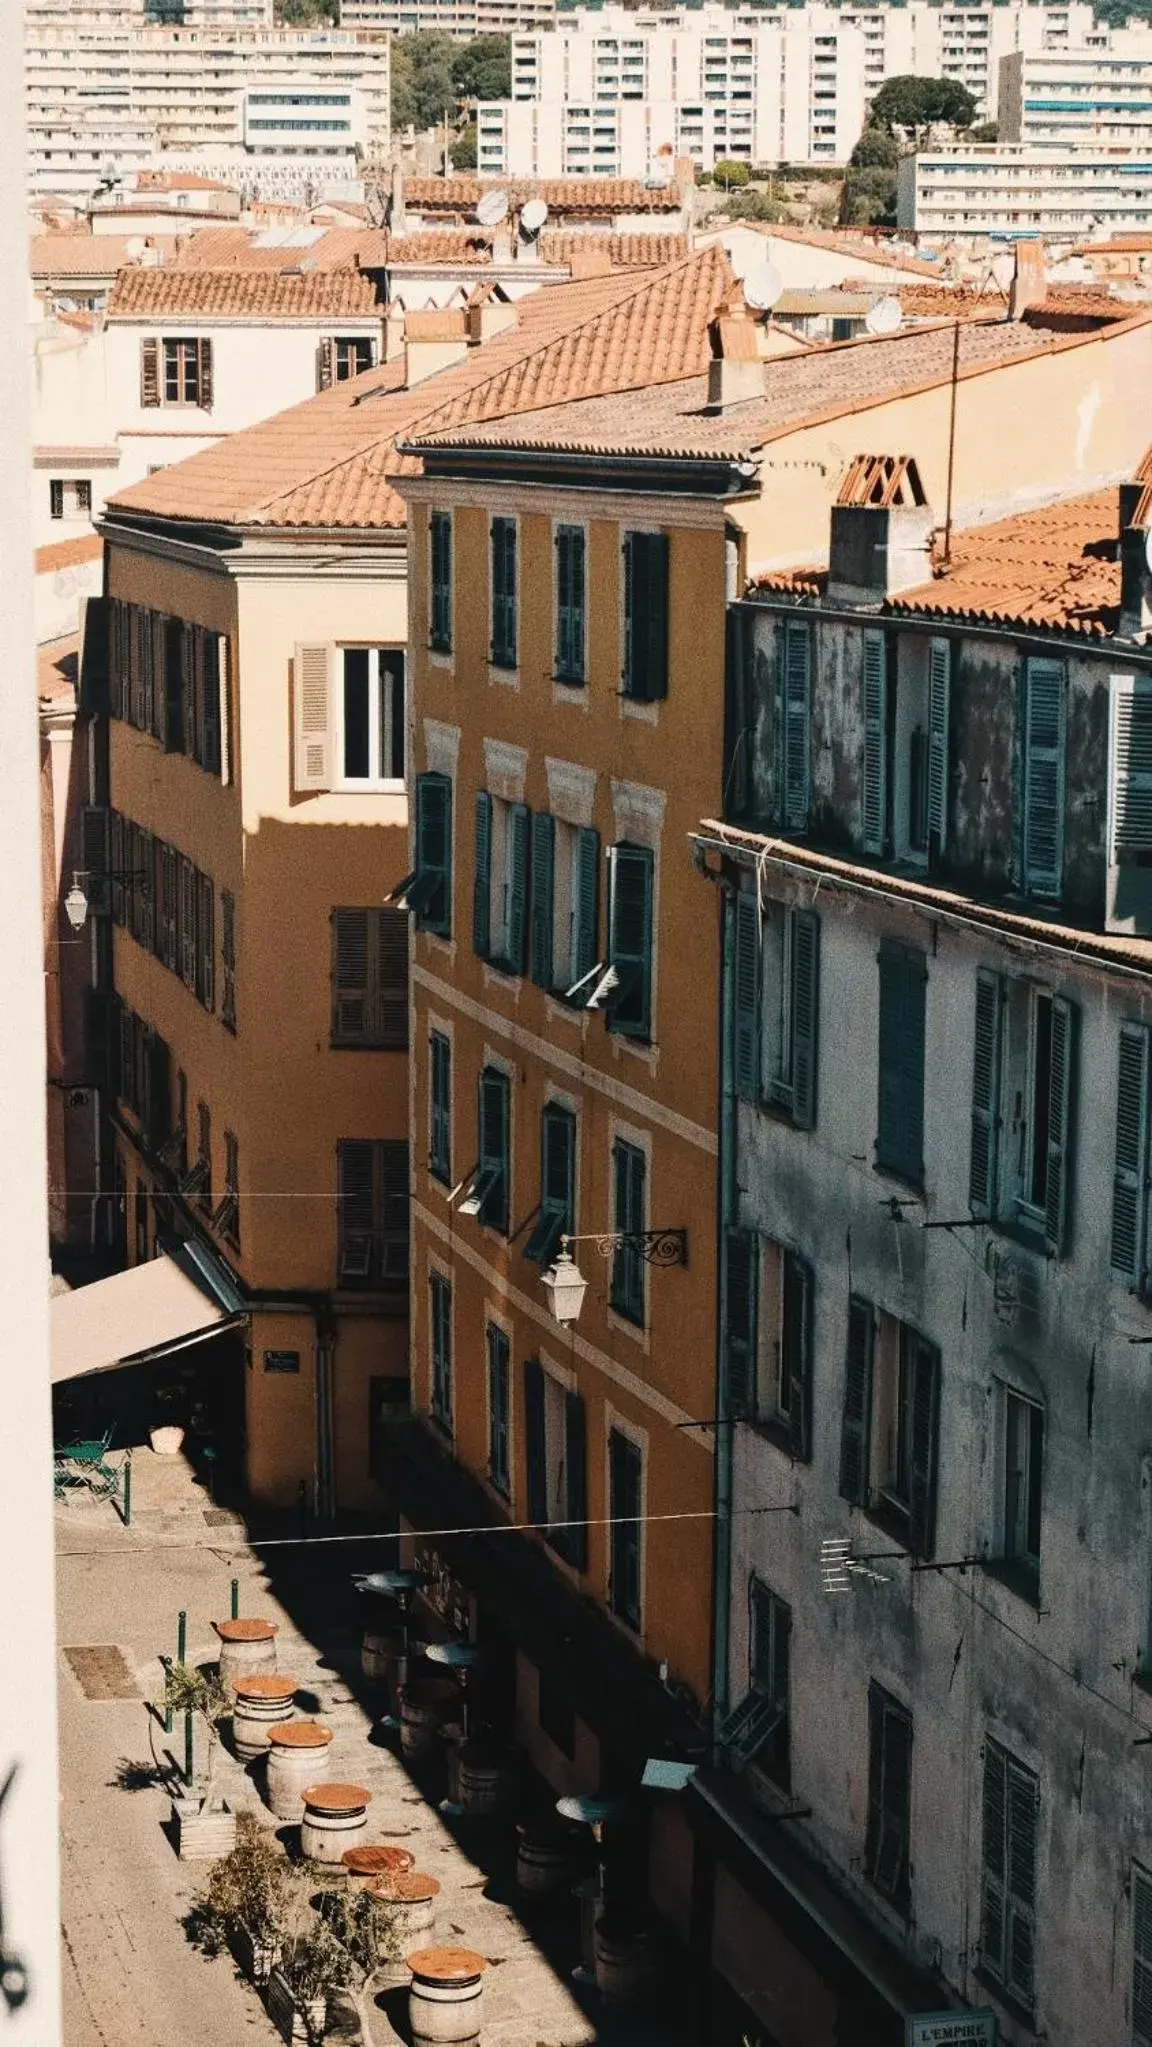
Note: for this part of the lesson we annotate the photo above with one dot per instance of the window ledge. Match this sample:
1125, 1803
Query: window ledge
645, 711
440, 657
571, 1012
775, 1432
503, 678
576, 693
624, 1323
1024, 2014
887, 1172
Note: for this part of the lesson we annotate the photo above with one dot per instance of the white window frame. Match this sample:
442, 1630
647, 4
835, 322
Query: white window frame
376, 687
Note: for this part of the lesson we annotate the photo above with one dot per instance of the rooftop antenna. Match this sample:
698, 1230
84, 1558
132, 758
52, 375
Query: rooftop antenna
839, 1565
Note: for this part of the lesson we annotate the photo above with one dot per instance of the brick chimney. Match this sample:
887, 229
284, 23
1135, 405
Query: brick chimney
486, 315
432, 341
881, 530
736, 371
396, 200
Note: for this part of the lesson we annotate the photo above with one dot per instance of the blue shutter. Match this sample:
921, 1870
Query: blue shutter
796, 748
900, 1093
875, 790
984, 1155
805, 995
1059, 1127
1044, 739
856, 1424
497, 1348
570, 603
504, 593
440, 624
534, 1444
482, 881
440, 1084
516, 909
573, 1540
1130, 1179
587, 906
939, 670
627, 1288
646, 616
630, 940
740, 1319
746, 997
543, 890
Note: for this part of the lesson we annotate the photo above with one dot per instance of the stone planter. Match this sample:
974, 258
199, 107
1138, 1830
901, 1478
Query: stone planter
446, 2001
245, 1646
203, 1834
167, 1439
257, 1957
412, 1901
288, 2016
335, 1815
298, 1752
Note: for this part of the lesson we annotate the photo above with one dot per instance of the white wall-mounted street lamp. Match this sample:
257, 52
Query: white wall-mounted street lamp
565, 1285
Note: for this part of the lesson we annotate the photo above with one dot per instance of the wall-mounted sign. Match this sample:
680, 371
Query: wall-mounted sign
281, 1361
951, 2029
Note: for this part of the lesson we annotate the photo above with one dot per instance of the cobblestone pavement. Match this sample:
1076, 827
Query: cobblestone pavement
130, 1977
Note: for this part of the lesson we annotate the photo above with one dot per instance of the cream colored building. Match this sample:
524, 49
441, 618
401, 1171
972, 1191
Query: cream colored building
1062, 191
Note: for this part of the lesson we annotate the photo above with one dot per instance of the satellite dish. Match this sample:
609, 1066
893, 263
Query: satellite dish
1148, 547
493, 207
1003, 268
762, 287
885, 317
532, 218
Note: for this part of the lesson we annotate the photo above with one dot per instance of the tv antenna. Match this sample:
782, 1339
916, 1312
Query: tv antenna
839, 1564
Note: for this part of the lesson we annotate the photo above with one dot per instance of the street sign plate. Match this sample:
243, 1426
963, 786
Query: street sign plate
951, 2029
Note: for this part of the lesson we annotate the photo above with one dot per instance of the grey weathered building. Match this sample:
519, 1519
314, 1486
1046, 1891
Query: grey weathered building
937, 859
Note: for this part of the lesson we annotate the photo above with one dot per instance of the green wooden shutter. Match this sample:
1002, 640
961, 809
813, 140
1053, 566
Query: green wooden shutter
543, 891
498, 1394
805, 1016
1044, 741
570, 603
206, 939
440, 1312
495, 1108
389, 931
534, 1442
630, 1170
740, 1320
440, 1106
983, 1158
631, 635
95, 855
630, 939
1059, 1131
925, 1446
94, 662
900, 1092
797, 1360
356, 1208
797, 725
746, 997
889, 1793
1130, 1179
656, 617
504, 592
440, 621
856, 1427
557, 1183
575, 1537
875, 787
625, 1482
433, 906
516, 916
587, 908
1141, 1957
208, 672
939, 671
482, 882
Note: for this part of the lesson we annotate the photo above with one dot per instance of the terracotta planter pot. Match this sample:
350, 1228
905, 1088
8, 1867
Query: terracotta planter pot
167, 1439
203, 1836
287, 2015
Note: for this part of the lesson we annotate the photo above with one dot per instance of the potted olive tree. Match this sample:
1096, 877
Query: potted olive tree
246, 1900
205, 1823
313, 1964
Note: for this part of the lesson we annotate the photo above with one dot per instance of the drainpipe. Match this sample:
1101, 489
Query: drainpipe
726, 1208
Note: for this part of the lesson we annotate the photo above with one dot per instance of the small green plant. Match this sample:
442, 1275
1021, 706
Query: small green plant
314, 1964
363, 1925
188, 1690
251, 1886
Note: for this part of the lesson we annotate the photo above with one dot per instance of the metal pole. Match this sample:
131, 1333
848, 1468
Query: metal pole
951, 445
235, 1599
182, 1635
128, 1490
188, 1747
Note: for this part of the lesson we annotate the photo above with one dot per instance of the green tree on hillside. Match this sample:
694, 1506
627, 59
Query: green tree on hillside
915, 103
422, 87
482, 69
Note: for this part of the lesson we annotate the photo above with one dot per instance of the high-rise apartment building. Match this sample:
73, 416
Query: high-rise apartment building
315, 94
1079, 96
1065, 193
621, 90
460, 18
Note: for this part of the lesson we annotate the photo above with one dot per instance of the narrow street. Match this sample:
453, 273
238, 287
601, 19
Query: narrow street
131, 1979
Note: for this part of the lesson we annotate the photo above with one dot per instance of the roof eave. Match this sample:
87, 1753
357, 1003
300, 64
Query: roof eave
713, 475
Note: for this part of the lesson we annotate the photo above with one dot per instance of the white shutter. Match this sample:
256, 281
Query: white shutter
312, 709
223, 675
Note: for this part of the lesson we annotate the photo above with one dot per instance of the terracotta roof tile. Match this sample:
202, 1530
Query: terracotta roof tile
669, 419
69, 255
624, 251
68, 554
282, 294
329, 461
587, 196
1054, 568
